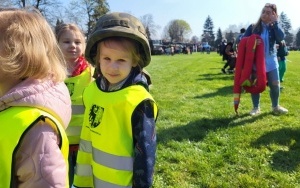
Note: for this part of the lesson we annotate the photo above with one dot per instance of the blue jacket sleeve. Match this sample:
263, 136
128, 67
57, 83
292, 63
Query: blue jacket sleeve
278, 32
144, 138
248, 31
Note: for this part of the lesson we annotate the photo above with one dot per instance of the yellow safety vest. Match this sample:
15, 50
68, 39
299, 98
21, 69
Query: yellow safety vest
15, 121
105, 157
76, 85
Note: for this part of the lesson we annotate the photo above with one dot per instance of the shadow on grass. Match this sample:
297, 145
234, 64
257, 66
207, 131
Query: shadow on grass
197, 130
215, 76
283, 160
219, 92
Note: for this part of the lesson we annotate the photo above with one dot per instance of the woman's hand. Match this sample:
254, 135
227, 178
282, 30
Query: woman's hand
273, 18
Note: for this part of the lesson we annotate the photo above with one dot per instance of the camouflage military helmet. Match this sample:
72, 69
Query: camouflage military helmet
120, 25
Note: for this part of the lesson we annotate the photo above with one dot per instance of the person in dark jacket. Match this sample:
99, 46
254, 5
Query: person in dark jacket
230, 58
238, 39
282, 52
222, 49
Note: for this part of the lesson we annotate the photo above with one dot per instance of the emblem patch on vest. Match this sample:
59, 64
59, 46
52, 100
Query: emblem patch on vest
95, 115
70, 87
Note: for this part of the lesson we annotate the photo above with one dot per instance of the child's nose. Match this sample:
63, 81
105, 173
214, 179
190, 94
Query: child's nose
73, 44
114, 65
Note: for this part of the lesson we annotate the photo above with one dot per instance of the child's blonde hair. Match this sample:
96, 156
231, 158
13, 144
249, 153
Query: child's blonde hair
61, 28
28, 47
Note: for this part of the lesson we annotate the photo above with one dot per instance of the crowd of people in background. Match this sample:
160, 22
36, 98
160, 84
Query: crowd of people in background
180, 48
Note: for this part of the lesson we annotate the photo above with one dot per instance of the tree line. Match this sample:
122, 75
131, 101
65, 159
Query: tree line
85, 13
293, 41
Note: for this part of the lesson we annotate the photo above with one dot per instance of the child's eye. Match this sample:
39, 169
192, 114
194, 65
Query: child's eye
121, 60
66, 42
106, 58
78, 42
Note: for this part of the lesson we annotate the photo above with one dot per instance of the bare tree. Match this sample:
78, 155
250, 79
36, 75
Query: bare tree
178, 30
184, 29
76, 12
150, 26
85, 13
50, 9
165, 35
5, 3
194, 39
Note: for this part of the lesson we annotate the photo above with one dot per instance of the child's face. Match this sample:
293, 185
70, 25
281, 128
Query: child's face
115, 62
71, 45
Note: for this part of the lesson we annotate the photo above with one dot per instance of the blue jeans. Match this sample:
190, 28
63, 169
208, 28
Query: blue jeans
273, 83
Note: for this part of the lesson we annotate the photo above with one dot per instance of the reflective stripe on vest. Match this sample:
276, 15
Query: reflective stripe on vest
74, 131
77, 109
111, 159
76, 86
22, 119
99, 183
85, 146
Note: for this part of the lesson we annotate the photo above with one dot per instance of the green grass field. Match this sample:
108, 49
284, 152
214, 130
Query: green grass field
201, 143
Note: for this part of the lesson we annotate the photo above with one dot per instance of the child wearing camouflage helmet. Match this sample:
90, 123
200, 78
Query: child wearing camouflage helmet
118, 138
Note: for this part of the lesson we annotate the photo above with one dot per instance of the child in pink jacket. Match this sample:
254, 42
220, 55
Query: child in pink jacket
35, 106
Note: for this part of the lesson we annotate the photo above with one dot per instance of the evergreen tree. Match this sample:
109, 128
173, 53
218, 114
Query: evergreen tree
287, 27
208, 32
219, 37
298, 39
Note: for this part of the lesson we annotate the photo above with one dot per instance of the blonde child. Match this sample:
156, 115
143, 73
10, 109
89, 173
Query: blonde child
35, 105
72, 43
118, 139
